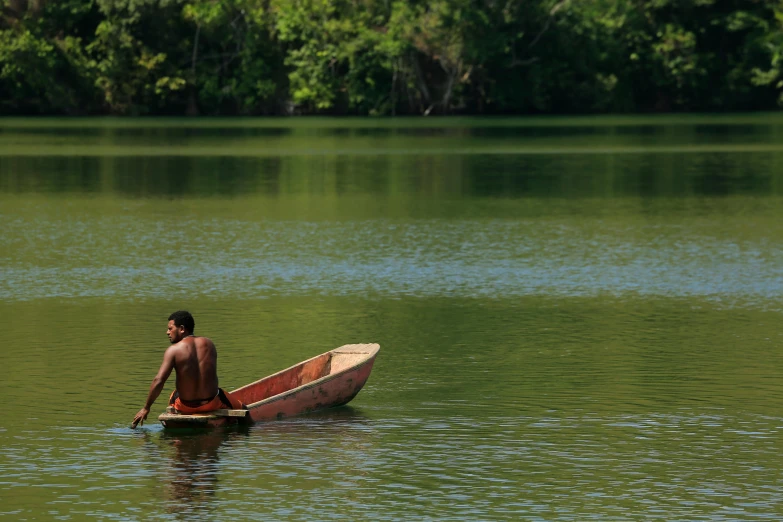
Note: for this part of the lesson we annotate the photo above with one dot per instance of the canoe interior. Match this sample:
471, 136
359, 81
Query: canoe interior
323, 365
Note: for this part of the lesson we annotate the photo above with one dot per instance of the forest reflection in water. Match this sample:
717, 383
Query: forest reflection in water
389, 177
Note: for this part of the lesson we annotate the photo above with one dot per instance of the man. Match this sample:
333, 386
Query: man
195, 361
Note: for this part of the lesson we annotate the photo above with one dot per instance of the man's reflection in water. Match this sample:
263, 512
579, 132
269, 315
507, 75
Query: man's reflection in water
192, 479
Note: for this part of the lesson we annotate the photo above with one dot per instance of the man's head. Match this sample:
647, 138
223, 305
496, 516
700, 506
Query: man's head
181, 324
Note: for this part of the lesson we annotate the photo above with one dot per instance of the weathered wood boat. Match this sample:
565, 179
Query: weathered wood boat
325, 381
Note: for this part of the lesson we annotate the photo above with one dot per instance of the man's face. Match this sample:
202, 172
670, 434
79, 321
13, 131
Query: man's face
175, 333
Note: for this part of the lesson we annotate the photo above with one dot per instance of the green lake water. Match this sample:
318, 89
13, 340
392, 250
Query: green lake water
579, 319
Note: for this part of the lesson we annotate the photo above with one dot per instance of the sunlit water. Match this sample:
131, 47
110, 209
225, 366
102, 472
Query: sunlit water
578, 320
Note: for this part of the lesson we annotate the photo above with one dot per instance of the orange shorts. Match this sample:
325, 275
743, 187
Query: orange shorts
217, 403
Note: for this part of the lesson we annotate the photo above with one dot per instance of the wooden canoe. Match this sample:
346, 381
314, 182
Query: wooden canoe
325, 381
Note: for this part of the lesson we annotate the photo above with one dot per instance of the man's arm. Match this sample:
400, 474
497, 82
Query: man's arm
156, 387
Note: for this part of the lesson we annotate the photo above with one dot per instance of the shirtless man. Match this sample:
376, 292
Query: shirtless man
195, 361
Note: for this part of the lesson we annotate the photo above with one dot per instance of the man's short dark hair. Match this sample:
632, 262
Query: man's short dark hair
183, 318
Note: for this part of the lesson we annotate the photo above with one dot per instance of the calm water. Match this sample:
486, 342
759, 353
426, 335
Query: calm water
579, 319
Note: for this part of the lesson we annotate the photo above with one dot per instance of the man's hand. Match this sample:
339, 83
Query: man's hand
140, 417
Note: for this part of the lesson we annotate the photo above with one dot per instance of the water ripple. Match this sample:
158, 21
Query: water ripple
131, 258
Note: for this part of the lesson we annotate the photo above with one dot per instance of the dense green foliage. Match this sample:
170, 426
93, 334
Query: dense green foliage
389, 56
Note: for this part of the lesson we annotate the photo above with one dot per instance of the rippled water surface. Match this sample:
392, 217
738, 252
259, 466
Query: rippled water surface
578, 319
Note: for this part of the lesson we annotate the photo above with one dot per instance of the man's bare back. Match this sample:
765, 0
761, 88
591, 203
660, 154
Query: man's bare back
195, 362
193, 358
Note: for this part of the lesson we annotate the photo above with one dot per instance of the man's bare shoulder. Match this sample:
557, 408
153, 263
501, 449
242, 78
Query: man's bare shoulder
174, 350
203, 341
182, 347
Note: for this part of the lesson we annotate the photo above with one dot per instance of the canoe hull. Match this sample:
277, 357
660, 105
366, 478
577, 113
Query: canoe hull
325, 381
318, 396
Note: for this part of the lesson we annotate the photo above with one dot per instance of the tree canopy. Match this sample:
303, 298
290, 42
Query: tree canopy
388, 57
